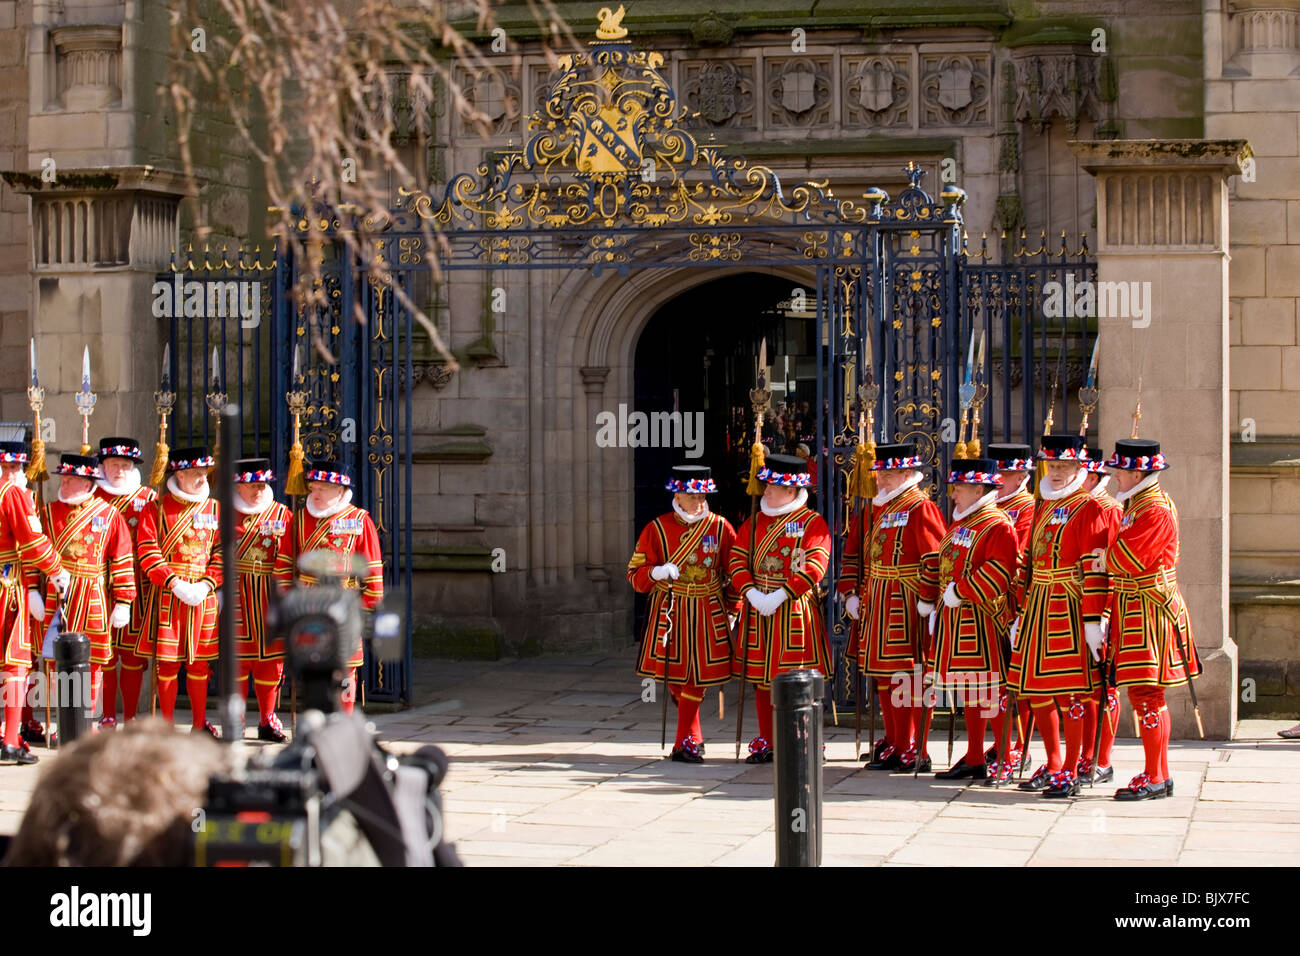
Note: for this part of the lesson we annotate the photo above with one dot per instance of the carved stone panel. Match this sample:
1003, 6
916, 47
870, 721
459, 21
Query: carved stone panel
1052, 82
798, 91
495, 101
721, 91
878, 92
955, 89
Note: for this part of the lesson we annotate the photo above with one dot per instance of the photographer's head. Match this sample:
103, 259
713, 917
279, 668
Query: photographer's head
126, 798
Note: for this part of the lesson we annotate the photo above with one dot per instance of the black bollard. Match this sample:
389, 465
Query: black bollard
797, 762
72, 661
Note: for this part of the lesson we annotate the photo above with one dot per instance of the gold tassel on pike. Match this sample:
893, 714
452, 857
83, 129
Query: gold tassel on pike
293, 481
862, 481
757, 458
159, 470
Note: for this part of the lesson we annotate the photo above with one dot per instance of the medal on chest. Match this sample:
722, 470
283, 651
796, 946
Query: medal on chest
878, 546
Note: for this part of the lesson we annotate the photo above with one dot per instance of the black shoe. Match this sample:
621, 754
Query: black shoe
685, 756
272, 732
1066, 788
891, 762
17, 755
1169, 785
914, 766
1145, 791
1026, 761
1039, 781
1103, 775
990, 755
962, 770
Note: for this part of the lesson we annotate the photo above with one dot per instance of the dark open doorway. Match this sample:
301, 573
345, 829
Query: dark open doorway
703, 346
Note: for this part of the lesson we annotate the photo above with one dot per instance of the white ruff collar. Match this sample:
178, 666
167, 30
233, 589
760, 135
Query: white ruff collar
1100, 490
1017, 489
19, 479
1142, 485
175, 490
1073, 485
987, 499
74, 500
885, 497
332, 509
264, 501
800, 500
690, 519
129, 486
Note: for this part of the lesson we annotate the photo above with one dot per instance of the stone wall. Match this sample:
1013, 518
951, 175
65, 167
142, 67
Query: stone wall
15, 285
1252, 91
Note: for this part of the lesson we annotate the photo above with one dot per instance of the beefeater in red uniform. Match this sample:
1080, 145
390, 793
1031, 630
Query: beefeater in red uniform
264, 560
1062, 595
1092, 770
1016, 466
681, 562
25, 554
782, 625
1149, 626
120, 485
180, 554
966, 580
331, 522
906, 525
94, 545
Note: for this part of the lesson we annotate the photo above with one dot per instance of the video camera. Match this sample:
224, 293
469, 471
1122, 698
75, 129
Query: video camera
333, 796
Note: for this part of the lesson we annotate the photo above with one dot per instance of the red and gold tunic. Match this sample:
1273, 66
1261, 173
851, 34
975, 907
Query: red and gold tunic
25, 552
1147, 613
1112, 512
891, 629
1020, 509
178, 540
979, 556
348, 531
94, 544
792, 551
264, 556
1062, 587
691, 611
131, 507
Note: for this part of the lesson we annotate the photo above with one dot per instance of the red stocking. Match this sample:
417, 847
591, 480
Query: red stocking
1073, 708
763, 704
168, 685
110, 688
688, 698
1045, 719
266, 681
887, 715
975, 724
15, 696
132, 681
1148, 700
196, 683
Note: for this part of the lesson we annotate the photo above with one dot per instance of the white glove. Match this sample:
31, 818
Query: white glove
755, 598
201, 591
930, 625
851, 606
184, 592
1014, 632
924, 609
121, 616
36, 605
774, 601
61, 582
661, 571
1092, 634
731, 621
950, 598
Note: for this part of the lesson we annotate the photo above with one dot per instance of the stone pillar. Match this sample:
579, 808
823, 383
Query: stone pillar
1162, 231
593, 382
99, 237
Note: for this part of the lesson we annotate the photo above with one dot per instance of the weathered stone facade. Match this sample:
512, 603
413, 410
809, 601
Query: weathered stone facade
983, 92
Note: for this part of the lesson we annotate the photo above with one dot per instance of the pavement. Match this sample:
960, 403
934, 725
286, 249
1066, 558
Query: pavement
556, 761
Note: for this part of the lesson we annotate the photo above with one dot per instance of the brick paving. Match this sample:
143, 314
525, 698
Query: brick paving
556, 761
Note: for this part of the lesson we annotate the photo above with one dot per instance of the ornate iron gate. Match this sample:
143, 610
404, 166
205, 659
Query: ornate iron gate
612, 180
